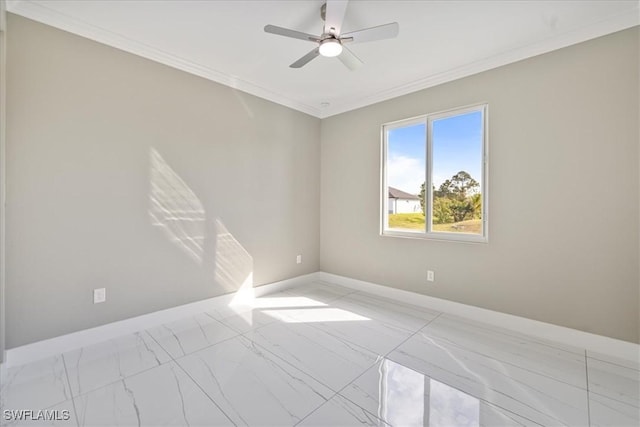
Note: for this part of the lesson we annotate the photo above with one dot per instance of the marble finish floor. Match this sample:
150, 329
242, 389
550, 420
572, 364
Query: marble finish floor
324, 355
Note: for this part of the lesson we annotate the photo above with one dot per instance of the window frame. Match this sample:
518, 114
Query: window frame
427, 120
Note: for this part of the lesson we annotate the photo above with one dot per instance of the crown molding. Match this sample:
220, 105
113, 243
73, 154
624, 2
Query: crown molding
610, 25
40, 13
45, 15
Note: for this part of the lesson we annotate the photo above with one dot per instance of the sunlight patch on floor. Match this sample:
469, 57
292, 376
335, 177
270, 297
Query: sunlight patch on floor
311, 315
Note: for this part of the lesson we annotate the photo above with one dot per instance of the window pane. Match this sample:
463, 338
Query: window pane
457, 174
406, 162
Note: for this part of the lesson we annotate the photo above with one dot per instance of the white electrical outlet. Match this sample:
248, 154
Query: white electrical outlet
299, 259
99, 295
430, 276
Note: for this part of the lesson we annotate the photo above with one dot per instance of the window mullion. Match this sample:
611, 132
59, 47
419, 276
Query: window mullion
428, 192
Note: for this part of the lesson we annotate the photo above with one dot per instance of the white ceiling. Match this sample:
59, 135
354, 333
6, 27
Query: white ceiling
439, 40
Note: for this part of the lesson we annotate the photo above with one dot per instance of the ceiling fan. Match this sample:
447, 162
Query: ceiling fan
332, 41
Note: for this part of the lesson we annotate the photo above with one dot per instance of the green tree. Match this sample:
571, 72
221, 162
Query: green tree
459, 186
476, 203
461, 209
442, 210
444, 190
457, 199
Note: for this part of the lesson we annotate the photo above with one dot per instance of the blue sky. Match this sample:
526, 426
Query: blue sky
457, 145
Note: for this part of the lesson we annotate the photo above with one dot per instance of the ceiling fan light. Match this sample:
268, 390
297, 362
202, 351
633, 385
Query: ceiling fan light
330, 47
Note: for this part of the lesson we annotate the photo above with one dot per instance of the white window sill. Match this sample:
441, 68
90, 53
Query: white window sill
437, 236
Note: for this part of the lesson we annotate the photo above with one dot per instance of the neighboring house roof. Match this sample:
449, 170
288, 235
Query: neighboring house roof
394, 193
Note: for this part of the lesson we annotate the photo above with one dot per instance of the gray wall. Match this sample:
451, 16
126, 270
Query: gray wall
563, 199
3, 127
163, 187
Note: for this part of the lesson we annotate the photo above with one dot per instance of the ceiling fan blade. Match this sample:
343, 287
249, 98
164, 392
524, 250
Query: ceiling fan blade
334, 15
381, 32
290, 33
349, 59
306, 59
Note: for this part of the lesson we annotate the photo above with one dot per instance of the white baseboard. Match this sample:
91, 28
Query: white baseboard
590, 342
50, 347
584, 340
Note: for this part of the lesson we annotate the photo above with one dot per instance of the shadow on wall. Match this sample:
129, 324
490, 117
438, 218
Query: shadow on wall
234, 265
178, 211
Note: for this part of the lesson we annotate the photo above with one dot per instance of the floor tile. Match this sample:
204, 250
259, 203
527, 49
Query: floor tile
325, 355
190, 334
33, 386
277, 299
96, 365
563, 364
287, 299
510, 334
250, 315
533, 396
62, 414
627, 363
248, 321
606, 412
394, 313
403, 397
321, 291
371, 334
252, 386
221, 312
614, 382
331, 360
164, 395
341, 412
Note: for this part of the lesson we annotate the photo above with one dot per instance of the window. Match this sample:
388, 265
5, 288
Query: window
434, 179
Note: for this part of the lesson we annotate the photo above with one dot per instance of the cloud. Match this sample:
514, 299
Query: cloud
405, 173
